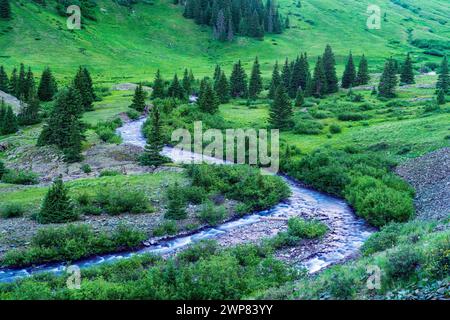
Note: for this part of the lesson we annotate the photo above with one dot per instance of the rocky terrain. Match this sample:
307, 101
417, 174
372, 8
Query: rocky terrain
430, 177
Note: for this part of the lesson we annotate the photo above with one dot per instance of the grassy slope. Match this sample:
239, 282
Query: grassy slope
132, 45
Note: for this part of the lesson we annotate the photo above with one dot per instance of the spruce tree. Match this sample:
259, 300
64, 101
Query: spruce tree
296, 78
255, 85
29, 112
299, 98
4, 81
319, 81
363, 72
158, 86
217, 73
444, 77
83, 84
9, 123
139, 97
175, 89
47, 86
275, 82
388, 81
21, 83
222, 89
329, 64
30, 86
57, 206
155, 142
186, 83
280, 115
305, 75
5, 9
349, 76
176, 205
407, 72
72, 152
286, 75
207, 100
440, 99
14, 83
238, 81
2, 114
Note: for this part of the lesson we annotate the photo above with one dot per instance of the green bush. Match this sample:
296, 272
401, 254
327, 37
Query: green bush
176, 204
133, 114
12, 210
212, 215
438, 259
86, 168
110, 173
308, 127
402, 263
352, 116
3, 169
194, 195
386, 238
20, 177
106, 130
341, 284
167, 227
200, 250
304, 229
335, 128
117, 200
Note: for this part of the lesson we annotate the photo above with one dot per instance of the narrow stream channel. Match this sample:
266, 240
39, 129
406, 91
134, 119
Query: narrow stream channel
347, 231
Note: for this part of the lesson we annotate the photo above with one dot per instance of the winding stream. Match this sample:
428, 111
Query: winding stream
347, 231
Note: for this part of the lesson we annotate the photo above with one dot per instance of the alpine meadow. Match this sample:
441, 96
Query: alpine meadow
204, 150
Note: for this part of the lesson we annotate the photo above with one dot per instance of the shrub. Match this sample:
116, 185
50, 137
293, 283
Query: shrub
167, 227
402, 263
308, 127
438, 259
176, 205
352, 116
306, 229
133, 114
380, 241
12, 210
3, 169
212, 215
116, 201
109, 173
341, 284
20, 177
86, 168
57, 207
200, 250
335, 128
90, 210
106, 130
194, 195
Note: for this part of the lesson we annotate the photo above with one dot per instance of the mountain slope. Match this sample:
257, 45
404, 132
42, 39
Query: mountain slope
132, 44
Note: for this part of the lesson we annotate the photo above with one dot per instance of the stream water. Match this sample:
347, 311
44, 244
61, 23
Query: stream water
347, 231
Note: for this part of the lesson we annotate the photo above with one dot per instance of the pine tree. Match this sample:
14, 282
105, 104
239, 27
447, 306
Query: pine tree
296, 78
255, 85
349, 76
29, 112
407, 72
286, 75
47, 86
363, 72
9, 123
444, 77
319, 81
275, 82
305, 75
280, 115
155, 142
139, 97
175, 89
158, 86
222, 89
329, 64
238, 81
4, 81
57, 206
72, 152
441, 97
186, 83
388, 81
207, 100
21, 83
83, 84
14, 83
5, 9
299, 99
30, 86
176, 206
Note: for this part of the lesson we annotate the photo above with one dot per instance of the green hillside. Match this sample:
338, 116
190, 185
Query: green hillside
132, 44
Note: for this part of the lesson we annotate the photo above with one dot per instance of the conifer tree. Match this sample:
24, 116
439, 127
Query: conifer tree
9, 123
83, 84
238, 81
57, 206
29, 86
175, 89
286, 74
47, 86
155, 142
255, 85
440, 99
280, 115
296, 78
29, 112
21, 83
4, 81
158, 86
388, 81
207, 100
139, 97
329, 64
222, 89
444, 77
5, 9
186, 83
176, 206
275, 82
299, 99
349, 76
3, 169
305, 75
14, 83
407, 72
363, 72
319, 81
